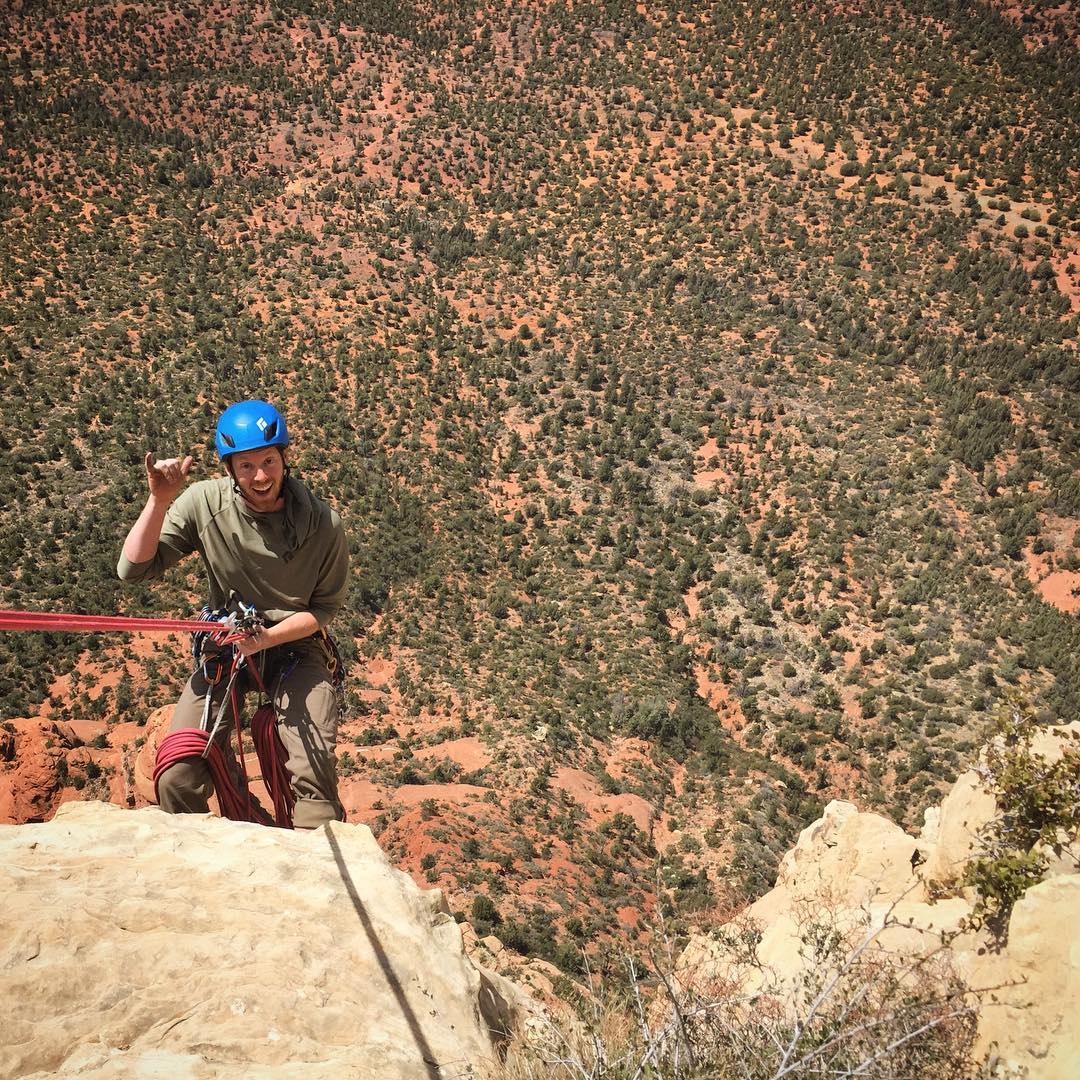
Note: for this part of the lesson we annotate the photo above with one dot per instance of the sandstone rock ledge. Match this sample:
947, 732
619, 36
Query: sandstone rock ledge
136, 944
859, 873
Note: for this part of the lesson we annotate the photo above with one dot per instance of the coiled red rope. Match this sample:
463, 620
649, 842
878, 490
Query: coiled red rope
236, 801
191, 743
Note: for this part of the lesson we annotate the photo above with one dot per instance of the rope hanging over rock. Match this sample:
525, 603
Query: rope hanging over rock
235, 798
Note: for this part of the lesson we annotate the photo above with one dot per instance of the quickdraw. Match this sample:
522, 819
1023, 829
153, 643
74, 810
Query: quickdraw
335, 666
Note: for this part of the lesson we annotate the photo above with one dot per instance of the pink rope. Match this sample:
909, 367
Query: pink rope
237, 803
190, 743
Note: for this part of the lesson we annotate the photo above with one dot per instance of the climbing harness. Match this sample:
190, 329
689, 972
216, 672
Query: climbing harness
212, 655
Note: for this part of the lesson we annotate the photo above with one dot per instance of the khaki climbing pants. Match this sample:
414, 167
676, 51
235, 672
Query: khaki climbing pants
298, 678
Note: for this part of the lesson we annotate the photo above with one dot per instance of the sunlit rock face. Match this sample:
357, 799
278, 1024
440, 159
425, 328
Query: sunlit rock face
141, 944
864, 876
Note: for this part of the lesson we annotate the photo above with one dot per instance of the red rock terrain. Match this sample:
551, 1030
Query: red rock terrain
696, 387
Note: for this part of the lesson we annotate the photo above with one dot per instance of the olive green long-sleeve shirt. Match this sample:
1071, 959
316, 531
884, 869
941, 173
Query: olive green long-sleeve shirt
296, 559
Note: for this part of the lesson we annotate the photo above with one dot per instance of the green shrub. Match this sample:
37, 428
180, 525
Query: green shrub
484, 915
1038, 805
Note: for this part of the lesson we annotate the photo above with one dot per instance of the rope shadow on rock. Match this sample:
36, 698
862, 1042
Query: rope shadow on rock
431, 1065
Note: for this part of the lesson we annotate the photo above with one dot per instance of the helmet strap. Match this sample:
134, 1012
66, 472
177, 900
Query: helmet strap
235, 484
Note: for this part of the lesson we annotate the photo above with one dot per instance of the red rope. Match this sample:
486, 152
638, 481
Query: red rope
190, 743
272, 758
236, 802
89, 624
271, 754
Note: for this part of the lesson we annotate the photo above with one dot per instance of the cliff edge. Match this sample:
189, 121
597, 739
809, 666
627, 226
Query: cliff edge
857, 894
139, 944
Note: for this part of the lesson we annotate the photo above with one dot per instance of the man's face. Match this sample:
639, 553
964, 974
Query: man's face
260, 474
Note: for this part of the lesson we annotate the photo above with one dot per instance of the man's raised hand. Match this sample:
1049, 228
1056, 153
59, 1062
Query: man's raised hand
166, 477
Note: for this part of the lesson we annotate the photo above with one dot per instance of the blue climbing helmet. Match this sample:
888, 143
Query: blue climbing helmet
250, 425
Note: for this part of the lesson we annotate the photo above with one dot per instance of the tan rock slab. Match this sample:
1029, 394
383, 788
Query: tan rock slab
138, 944
1033, 1021
844, 859
847, 871
967, 808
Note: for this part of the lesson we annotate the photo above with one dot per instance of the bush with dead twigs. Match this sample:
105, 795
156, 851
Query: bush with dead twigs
857, 1010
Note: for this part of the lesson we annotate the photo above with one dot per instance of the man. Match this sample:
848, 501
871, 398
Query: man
265, 539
